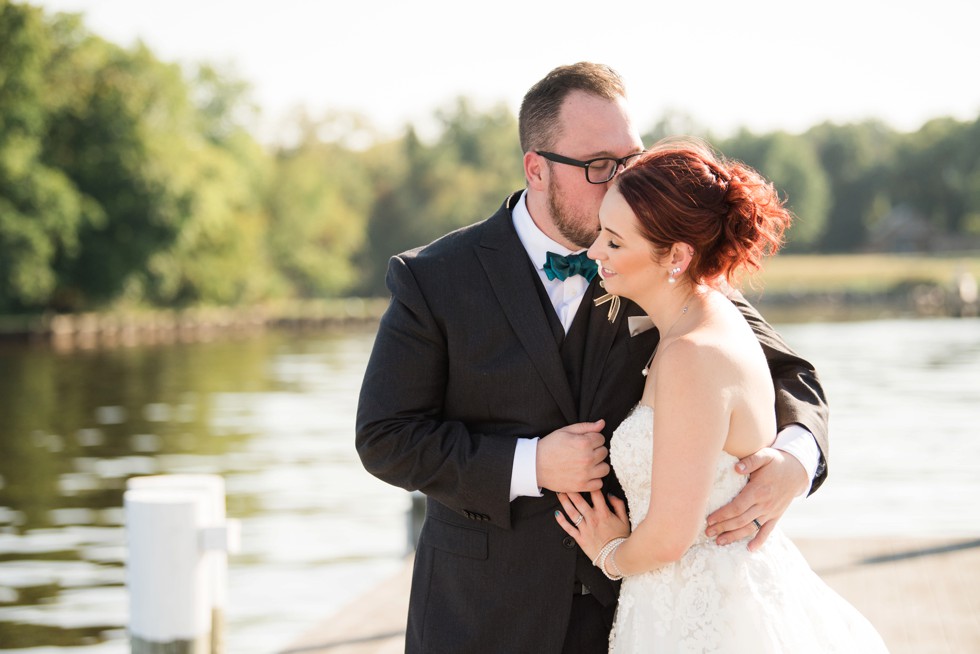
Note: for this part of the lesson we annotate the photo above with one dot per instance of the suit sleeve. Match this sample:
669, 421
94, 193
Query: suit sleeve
402, 436
800, 398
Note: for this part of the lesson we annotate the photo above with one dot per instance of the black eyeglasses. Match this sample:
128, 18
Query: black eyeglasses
597, 171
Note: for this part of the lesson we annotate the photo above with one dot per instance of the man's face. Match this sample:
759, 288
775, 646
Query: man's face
591, 127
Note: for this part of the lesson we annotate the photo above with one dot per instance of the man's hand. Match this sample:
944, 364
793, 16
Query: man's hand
573, 458
775, 479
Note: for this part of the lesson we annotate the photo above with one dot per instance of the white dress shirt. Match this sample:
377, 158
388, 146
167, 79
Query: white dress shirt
566, 296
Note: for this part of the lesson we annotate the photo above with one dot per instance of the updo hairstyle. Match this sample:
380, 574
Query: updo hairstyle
681, 191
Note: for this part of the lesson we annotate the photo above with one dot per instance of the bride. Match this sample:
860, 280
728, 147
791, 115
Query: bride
676, 229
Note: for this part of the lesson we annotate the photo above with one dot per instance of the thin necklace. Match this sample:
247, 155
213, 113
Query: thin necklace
646, 368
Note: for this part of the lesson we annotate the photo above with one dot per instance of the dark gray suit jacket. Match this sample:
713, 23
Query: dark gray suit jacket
464, 363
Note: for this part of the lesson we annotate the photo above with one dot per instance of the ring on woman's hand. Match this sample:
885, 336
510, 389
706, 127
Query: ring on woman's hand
755, 521
579, 519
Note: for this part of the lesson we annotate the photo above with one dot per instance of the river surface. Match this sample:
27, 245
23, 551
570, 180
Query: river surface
273, 415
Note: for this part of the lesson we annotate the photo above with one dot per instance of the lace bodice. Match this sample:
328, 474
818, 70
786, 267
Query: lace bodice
724, 599
631, 454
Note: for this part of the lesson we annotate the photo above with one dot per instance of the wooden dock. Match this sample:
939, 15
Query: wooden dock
923, 595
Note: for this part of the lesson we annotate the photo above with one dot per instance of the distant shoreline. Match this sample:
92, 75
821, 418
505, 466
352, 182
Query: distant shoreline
791, 288
167, 326
162, 327
925, 300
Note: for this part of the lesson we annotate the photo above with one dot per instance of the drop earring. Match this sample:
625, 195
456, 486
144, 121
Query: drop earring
670, 277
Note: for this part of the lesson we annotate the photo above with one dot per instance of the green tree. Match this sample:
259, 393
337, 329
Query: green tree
318, 202
179, 186
856, 160
935, 170
971, 222
220, 254
791, 163
424, 191
116, 131
675, 123
41, 210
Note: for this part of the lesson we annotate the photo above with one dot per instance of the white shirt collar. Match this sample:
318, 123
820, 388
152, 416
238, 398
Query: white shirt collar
534, 240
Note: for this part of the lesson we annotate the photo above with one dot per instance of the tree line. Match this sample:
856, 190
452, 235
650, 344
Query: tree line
127, 181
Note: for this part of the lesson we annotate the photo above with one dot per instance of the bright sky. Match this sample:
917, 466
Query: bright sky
763, 64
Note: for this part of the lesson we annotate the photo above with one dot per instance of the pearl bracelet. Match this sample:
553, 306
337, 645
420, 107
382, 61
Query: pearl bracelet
606, 553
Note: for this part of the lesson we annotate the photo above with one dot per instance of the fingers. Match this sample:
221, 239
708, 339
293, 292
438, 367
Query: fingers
775, 480
586, 427
762, 536
753, 501
730, 514
580, 506
734, 533
574, 519
595, 442
753, 462
741, 526
619, 508
567, 505
766, 497
592, 438
573, 458
731, 530
569, 528
579, 511
734, 520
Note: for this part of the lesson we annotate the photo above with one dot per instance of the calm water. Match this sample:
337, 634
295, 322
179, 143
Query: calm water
273, 415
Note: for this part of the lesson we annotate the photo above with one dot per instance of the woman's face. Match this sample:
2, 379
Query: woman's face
625, 258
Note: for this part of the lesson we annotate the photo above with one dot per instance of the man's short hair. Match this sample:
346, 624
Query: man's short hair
538, 122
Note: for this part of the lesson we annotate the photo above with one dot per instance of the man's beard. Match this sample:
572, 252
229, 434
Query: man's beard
577, 229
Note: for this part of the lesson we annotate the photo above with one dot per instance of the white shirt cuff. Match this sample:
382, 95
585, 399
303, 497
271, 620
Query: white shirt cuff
798, 441
524, 477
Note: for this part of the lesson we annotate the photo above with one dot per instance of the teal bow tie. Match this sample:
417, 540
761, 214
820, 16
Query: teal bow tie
561, 267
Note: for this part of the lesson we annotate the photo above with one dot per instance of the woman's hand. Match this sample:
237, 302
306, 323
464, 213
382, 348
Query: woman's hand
598, 525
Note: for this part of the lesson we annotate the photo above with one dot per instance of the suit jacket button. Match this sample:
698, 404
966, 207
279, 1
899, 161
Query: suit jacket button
568, 542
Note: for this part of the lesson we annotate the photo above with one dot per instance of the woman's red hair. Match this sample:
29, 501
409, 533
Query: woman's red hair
682, 191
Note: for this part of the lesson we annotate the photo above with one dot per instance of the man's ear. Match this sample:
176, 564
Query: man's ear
535, 171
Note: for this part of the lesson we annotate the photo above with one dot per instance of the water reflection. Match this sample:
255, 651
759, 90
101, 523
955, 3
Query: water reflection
273, 414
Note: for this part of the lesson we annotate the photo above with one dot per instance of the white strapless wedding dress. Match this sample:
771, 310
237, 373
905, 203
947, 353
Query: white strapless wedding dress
724, 599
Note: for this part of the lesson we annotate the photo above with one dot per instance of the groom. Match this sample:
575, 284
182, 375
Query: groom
495, 382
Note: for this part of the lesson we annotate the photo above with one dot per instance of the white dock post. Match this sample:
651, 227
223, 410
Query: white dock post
416, 516
177, 563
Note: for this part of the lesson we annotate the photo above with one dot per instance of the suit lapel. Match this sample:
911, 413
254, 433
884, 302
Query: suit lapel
601, 337
511, 276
